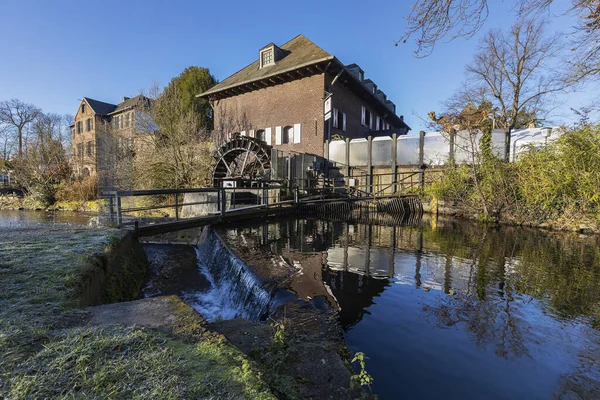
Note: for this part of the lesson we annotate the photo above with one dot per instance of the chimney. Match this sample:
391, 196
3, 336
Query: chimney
124, 98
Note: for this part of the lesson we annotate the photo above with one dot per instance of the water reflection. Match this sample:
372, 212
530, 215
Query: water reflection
28, 217
453, 309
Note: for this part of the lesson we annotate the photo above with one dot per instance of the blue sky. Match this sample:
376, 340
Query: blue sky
59, 51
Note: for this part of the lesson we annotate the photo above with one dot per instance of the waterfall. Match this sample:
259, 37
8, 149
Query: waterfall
235, 292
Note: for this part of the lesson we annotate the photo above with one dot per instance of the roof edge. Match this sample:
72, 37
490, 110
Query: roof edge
212, 91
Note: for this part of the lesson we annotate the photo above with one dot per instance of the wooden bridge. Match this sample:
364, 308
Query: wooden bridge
246, 199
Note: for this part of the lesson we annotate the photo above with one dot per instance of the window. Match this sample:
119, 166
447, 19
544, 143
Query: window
79, 127
266, 58
260, 134
79, 151
335, 118
288, 135
367, 118
127, 120
120, 118
377, 123
363, 115
88, 124
344, 122
126, 146
83, 108
89, 149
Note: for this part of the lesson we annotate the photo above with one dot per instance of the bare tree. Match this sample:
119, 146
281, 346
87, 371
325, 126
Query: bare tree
6, 141
586, 45
174, 146
430, 21
18, 115
44, 163
513, 70
230, 120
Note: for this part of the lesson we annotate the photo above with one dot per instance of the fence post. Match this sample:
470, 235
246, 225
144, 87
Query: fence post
452, 141
119, 214
296, 195
394, 162
223, 201
422, 159
111, 208
347, 158
266, 196
176, 206
421, 147
370, 163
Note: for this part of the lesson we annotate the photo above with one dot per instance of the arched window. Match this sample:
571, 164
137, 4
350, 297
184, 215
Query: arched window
260, 134
288, 135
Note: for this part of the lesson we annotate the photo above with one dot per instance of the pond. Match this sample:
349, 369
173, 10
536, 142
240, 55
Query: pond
28, 217
450, 309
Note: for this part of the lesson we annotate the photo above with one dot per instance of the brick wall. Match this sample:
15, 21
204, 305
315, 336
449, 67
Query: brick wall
79, 162
299, 101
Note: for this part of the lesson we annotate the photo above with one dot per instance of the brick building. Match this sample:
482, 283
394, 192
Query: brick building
297, 97
101, 128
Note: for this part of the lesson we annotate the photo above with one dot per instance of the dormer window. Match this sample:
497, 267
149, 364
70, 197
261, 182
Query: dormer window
267, 57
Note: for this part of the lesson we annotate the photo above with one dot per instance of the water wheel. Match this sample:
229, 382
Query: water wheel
242, 157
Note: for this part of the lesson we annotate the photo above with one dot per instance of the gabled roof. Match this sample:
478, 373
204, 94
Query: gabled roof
139, 100
100, 107
298, 52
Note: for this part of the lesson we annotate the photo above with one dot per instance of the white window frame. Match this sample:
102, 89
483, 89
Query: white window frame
278, 135
344, 122
363, 115
377, 123
265, 51
268, 136
370, 120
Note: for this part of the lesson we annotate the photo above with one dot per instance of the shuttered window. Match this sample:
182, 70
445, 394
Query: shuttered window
297, 133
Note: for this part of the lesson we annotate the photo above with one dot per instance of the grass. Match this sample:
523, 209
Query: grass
135, 363
48, 351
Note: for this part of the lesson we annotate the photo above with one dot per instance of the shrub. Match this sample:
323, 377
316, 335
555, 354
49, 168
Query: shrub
81, 190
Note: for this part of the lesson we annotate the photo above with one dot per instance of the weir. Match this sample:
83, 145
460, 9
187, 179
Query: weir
236, 291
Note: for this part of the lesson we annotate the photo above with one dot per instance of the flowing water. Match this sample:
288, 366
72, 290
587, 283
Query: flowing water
452, 309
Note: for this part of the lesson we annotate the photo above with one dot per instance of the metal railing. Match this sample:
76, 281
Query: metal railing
132, 207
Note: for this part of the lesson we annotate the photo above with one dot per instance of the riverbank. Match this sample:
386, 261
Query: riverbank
52, 346
567, 222
11, 202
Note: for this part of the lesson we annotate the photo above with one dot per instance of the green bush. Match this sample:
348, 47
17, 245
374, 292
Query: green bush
560, 182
